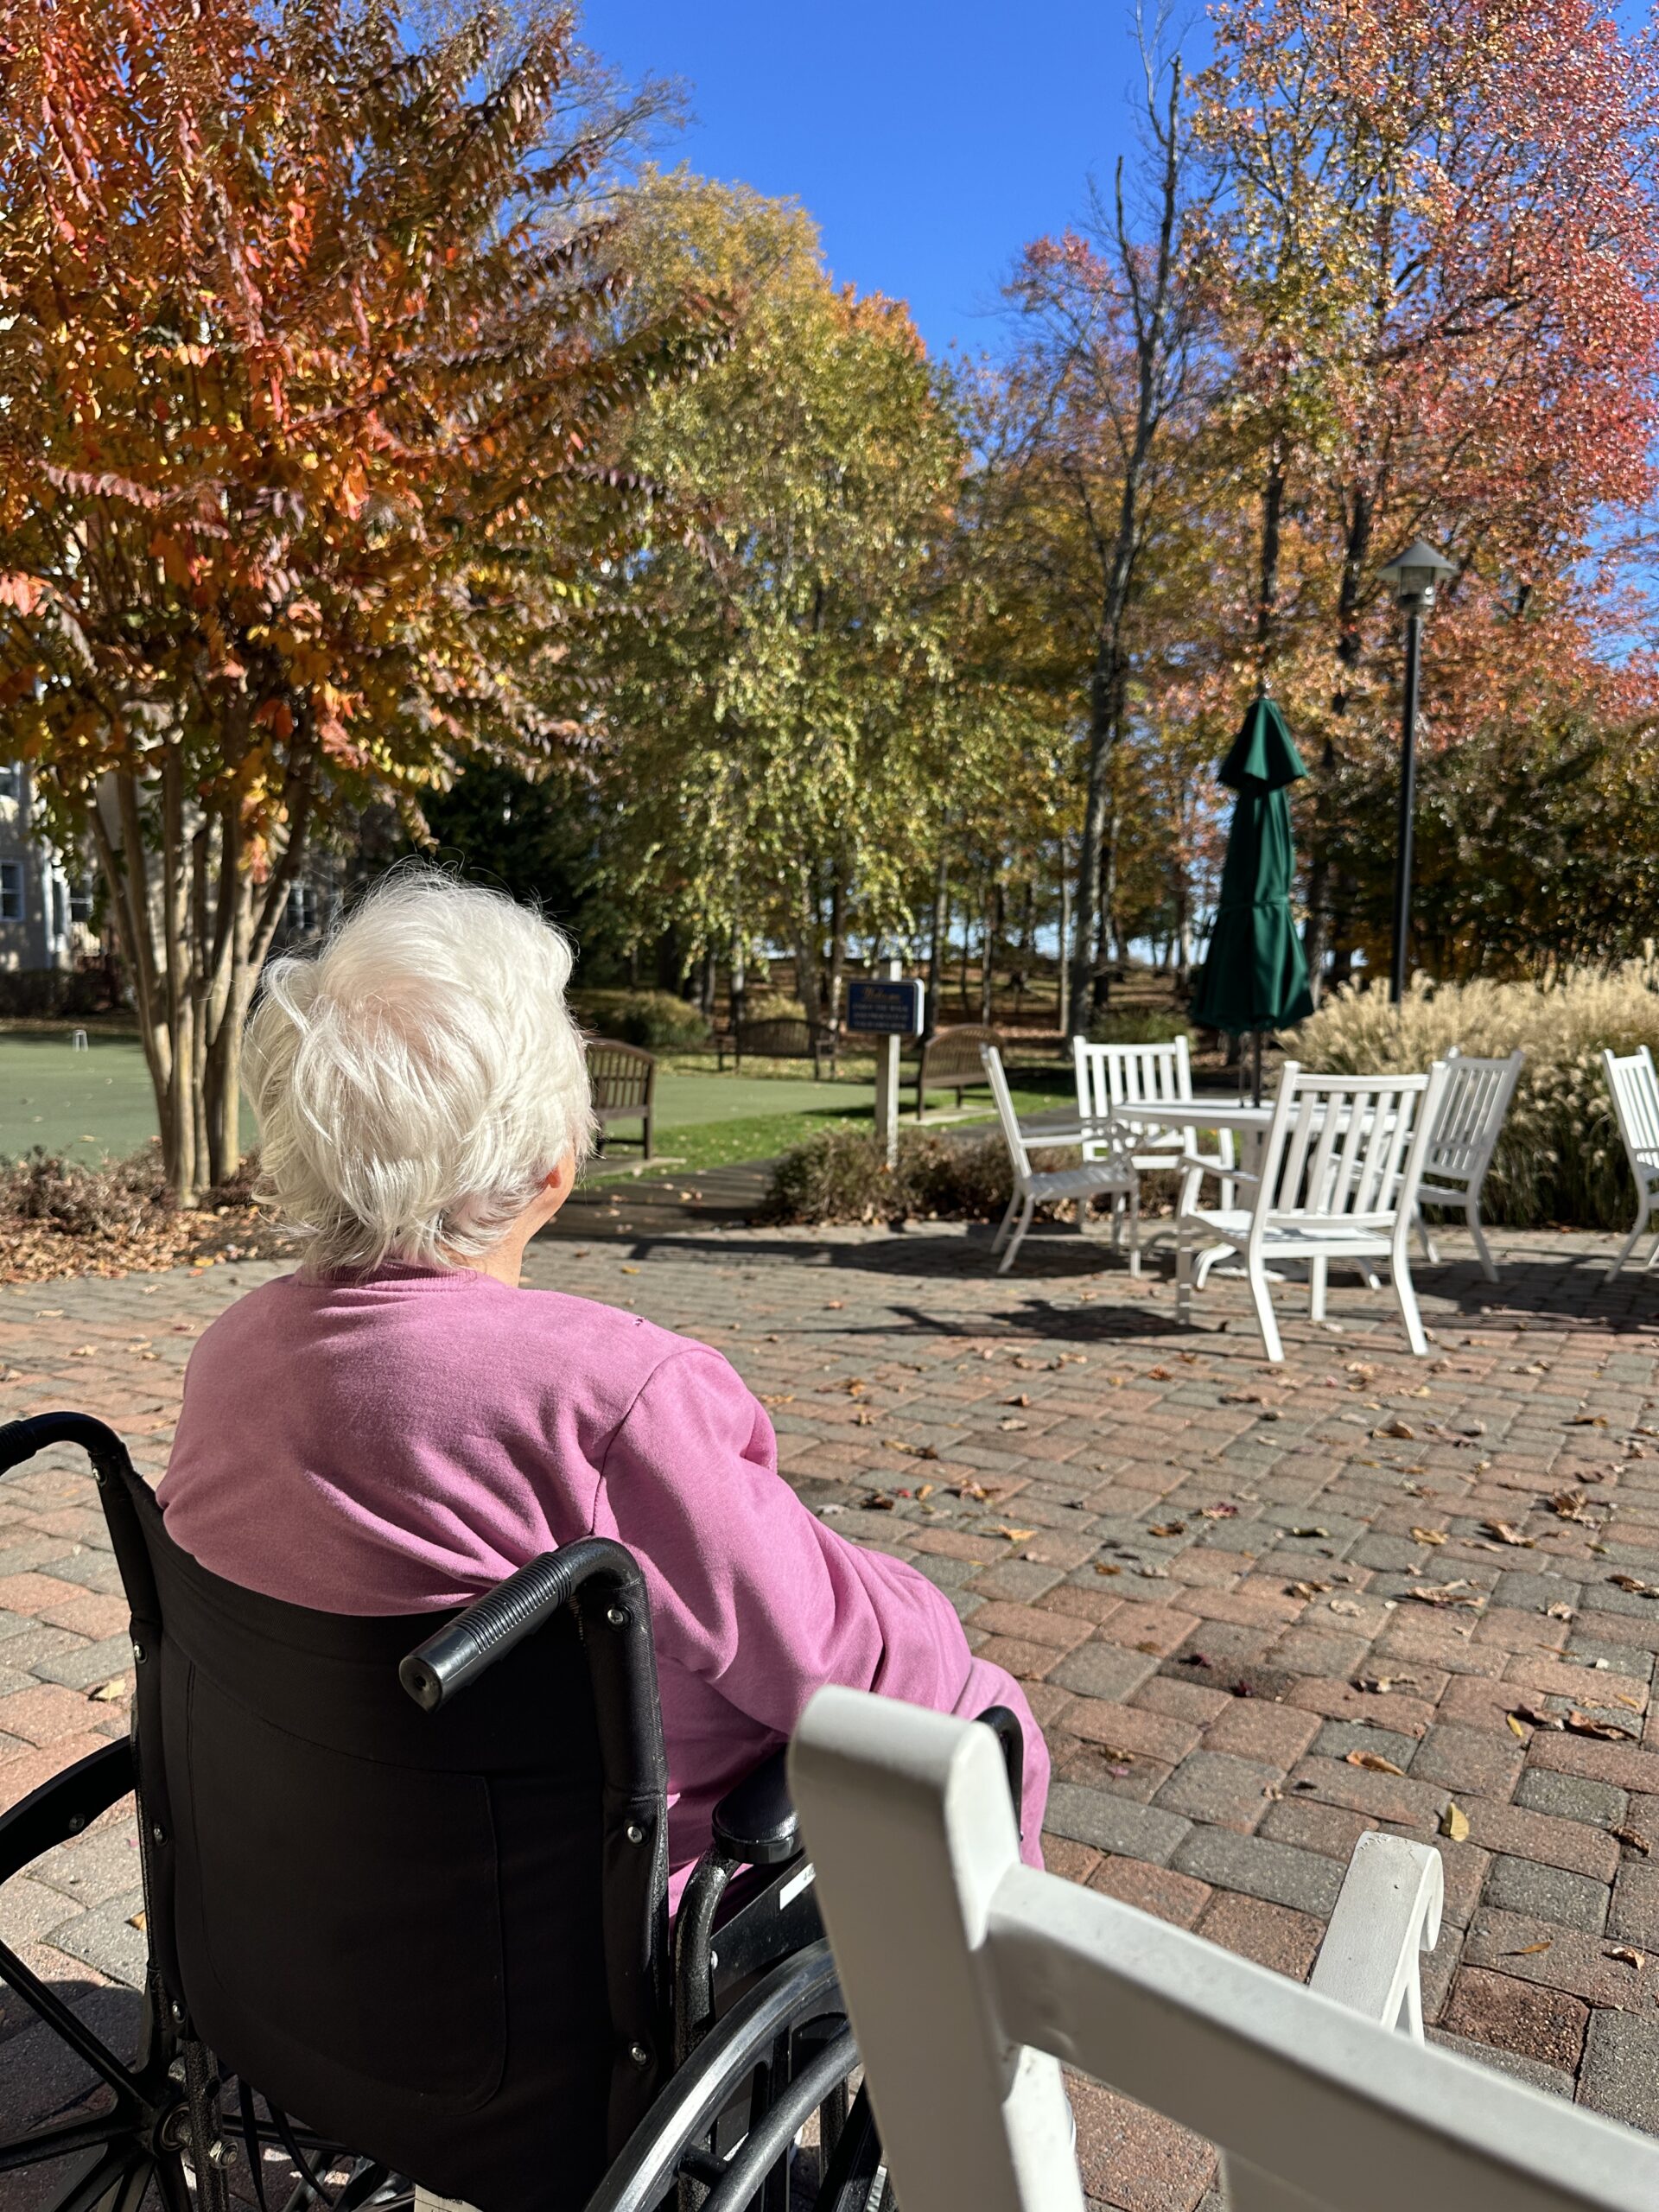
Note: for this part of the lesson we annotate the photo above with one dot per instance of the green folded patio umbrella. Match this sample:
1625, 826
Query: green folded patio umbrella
1255, 978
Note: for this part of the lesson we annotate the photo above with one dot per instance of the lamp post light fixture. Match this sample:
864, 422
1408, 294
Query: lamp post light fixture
1412, 579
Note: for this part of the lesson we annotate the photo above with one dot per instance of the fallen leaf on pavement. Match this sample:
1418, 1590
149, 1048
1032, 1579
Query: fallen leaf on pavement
1167, 1529
1528, 1950
972, 1489
1569, 1505
1634, 1583
1396, 1428
1217, 1512
877, 1503
1429, 1535
1305, 1589
1346, 1605
1626, 1956
1562, 1611
1105, 1567
1507, 1535
1015, 1535
1373, 1762
115, 1692
1449, 1593
1310, 1532
1516, 1724
1585, 1724
1454, 1823
1632, 1839
1536, 1716
1023, 1399
1158, 1374
1587, 1420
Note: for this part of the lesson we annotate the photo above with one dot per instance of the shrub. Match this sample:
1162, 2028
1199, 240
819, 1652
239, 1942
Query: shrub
1138, 1025
840, 1176
38, 991
771, 1006
1560, 1158
66, 1217
656, 1020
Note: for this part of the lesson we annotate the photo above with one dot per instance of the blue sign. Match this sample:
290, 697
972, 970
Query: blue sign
885, 1009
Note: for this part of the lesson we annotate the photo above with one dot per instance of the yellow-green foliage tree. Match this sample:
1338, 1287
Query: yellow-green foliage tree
309, 363
782, 724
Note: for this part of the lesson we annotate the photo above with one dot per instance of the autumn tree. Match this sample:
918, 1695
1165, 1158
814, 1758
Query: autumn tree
1438, 269
779, 718
309, 367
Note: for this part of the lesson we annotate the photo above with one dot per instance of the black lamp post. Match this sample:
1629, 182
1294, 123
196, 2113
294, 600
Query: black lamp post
1412, 579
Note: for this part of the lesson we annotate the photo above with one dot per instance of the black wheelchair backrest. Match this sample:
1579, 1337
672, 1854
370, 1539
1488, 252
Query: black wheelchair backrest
437, 1933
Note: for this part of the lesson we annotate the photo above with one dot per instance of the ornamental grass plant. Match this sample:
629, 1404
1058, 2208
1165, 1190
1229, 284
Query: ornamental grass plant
1559, 1160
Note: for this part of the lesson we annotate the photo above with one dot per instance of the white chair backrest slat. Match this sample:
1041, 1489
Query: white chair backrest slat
1110, 1076
1347, 1148
1004, 1114
1478, 1095
967, 1976
1636, 1101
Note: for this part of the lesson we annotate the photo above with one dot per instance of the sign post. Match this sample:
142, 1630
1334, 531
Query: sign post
889, 1011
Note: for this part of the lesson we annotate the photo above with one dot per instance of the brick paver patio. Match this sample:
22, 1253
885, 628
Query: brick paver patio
1258, 1611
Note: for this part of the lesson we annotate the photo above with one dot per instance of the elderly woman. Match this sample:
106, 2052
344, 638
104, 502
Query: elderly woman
398, 1426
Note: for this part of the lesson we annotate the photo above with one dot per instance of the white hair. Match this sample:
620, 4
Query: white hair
417, 1077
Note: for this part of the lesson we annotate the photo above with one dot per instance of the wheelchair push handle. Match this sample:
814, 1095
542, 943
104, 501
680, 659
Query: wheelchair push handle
22, 1440
494, 1625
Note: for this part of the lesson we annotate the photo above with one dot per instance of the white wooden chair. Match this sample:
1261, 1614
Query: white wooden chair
1117, 1075
1114, 1176
1339, 1173
1478, 1095
1635, 1102
970, 1977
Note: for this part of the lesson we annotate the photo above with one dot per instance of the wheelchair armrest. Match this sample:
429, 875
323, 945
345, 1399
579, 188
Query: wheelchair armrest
756, 1822
495, 1624
1011, 1741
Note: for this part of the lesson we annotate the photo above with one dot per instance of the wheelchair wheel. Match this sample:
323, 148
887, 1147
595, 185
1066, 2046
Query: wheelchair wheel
783, 2060
128, 2130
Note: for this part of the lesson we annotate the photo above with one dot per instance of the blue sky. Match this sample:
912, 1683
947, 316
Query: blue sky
929, 142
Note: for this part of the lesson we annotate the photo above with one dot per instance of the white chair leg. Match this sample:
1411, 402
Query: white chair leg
1192, 1183
1255, 1270
1636, 1234
1183, 1270
1117, 1219
1317, 1273
1471, 1215
1007, 1223
1134, 1231
1405, 1297
1019, 1236
1429, 1253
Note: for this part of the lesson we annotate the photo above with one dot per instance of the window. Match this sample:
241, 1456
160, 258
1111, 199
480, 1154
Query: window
12, 779
11, 890
81, 901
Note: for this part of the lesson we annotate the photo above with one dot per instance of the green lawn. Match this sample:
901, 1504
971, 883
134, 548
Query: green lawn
97, 1104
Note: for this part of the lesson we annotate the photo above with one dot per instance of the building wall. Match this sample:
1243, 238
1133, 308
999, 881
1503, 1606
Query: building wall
36, 928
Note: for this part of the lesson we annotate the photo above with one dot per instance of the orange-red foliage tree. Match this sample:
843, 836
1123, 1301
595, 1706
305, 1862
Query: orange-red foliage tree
307, 365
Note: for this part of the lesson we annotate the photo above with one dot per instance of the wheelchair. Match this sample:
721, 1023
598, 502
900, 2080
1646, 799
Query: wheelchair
405, 1910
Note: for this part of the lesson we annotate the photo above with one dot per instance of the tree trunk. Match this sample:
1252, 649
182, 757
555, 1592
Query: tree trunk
988, 955
937, 939
1356, 557
1063, 969
1151, 297
191, 988
1266, 603
739, 975
838, 889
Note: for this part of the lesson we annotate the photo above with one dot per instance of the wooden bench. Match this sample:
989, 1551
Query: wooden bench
776, 1037
624, 1082
950, 1061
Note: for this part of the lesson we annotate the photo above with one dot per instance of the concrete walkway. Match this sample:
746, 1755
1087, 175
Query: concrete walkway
1259, 1611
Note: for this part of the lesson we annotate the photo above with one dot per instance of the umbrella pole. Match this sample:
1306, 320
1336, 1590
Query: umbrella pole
1258, 1067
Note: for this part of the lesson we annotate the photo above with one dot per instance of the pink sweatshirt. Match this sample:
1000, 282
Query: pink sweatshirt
397, 1444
